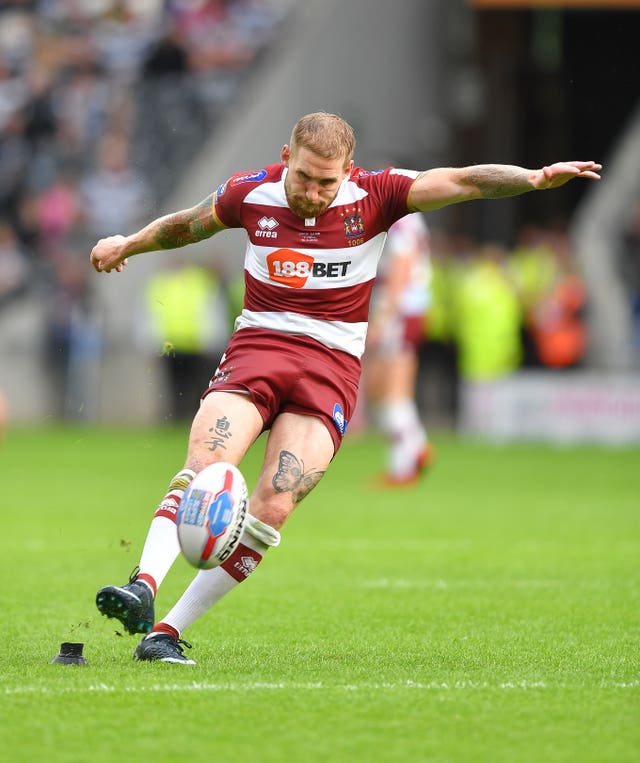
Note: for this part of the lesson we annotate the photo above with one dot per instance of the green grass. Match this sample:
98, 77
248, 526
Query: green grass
489, 615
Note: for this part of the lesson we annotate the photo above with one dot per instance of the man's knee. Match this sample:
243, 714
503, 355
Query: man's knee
273, 513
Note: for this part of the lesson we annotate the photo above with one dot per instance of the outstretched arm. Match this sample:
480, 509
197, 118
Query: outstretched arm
449, 185
168, 232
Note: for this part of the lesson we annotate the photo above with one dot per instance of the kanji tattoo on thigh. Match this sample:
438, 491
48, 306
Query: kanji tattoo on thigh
292, 478
220, 433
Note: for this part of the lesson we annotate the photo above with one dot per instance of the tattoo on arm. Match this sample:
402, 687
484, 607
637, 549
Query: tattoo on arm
497, 181
291, 477
187, 226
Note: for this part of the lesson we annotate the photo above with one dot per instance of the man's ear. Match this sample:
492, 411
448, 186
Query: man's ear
285, 155
348, 169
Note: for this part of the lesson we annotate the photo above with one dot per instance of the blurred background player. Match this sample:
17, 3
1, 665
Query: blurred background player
396, 332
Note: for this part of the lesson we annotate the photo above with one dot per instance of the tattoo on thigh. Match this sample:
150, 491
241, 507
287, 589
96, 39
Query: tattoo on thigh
220, 433
292, 478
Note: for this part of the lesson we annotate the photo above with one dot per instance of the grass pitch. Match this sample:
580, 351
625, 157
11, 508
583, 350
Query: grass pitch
489, 614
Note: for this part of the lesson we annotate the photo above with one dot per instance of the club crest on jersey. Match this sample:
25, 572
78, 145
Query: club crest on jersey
221, 376
353, 226
339, 419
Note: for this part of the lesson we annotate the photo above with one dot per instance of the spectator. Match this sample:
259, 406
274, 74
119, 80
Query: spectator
532, 269
73, 338
13, 92
168, 56
14, 266
187, 314
556, 321
14, 162
57, 211
488, 318
113, 195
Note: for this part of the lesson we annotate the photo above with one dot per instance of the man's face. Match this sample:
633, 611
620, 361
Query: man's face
312, 182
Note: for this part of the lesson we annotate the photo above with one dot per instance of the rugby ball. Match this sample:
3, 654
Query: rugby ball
212, 515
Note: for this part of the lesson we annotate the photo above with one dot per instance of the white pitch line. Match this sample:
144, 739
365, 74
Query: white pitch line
197, 686
442, 585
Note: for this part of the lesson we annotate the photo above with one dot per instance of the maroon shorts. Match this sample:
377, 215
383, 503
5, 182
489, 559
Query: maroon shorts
414, 331
400, 333
283, 372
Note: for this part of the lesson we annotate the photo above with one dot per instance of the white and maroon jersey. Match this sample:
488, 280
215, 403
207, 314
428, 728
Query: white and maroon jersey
313, 277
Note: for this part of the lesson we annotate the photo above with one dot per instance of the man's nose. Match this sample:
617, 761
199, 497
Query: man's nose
312, 191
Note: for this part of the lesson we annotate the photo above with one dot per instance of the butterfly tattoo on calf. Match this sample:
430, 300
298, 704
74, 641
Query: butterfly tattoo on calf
292, 478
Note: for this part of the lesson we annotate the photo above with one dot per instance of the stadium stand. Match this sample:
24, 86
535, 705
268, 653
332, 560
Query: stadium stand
102, 104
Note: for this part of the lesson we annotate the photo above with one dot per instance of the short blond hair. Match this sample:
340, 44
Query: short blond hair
327, 135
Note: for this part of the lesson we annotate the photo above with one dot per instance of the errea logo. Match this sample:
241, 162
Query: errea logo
291, 268
248, 563
266, 227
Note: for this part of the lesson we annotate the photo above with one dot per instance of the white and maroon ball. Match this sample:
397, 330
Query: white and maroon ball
212, 515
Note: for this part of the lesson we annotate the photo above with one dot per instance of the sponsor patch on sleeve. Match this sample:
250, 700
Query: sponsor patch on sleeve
248, 177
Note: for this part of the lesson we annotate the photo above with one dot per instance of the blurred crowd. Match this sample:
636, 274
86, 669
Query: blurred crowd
496, 309
506, 308
92, 92
82, 83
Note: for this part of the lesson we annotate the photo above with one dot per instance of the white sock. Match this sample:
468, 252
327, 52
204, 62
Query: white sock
400, 422
209, 586
161, 547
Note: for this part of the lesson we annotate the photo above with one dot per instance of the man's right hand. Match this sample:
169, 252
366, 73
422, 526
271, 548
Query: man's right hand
108, 254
